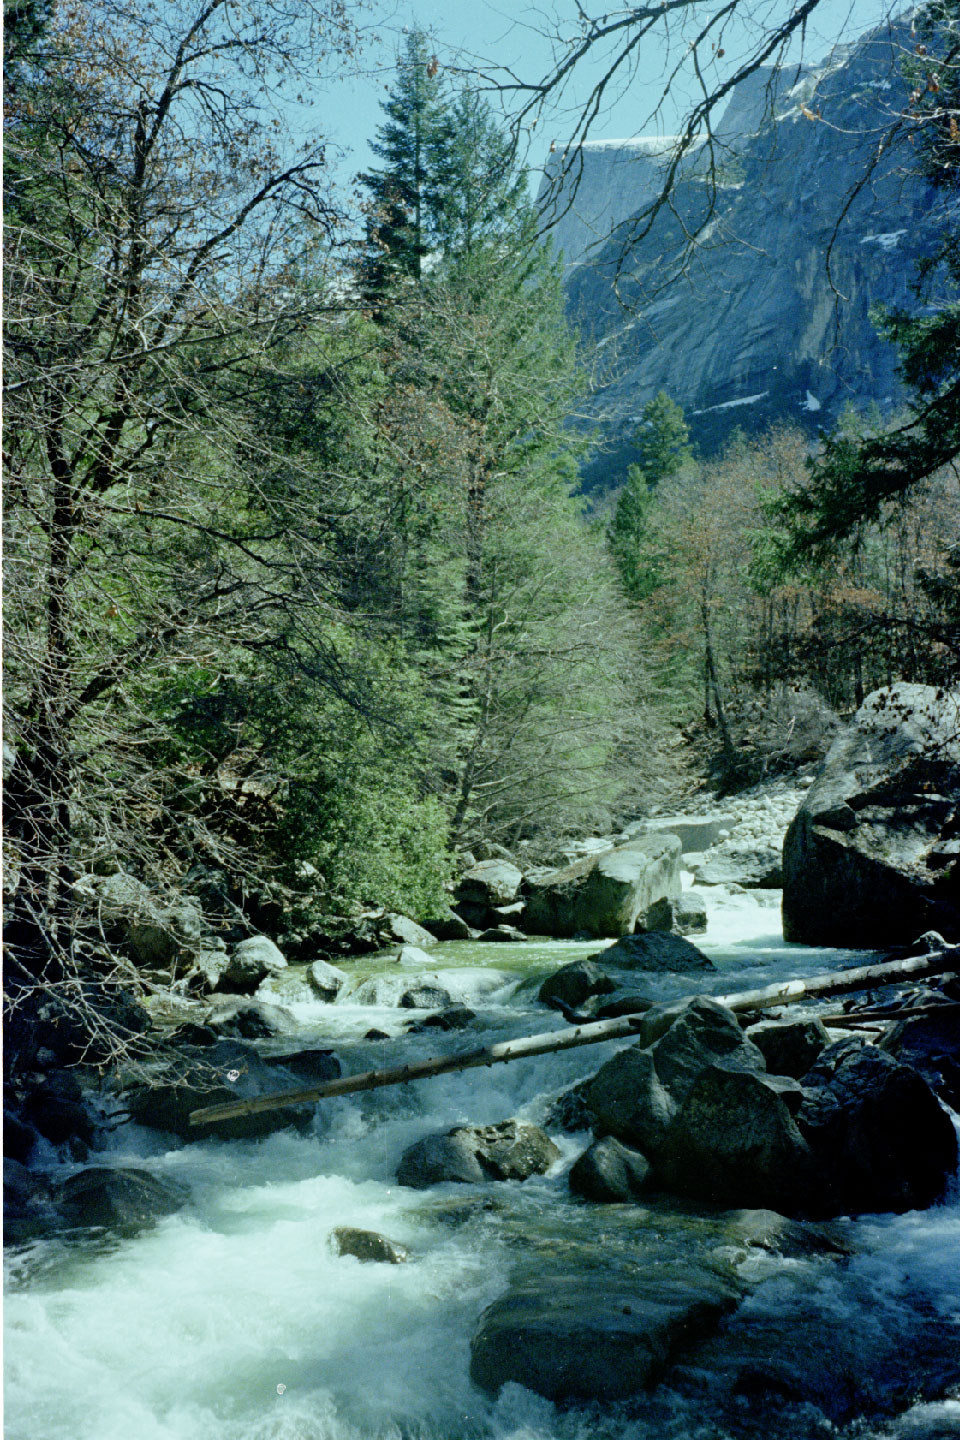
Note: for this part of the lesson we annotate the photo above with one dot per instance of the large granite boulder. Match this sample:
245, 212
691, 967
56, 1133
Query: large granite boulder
862, 1133
880, 1138
121, 1197
655, 950
491, 882
252, 961
605, 894
637, 1094
156, 929
217, 1074
469, 1154
869, 860
931, 1044
734, 1141
575, 1336
790, 1047
573, 984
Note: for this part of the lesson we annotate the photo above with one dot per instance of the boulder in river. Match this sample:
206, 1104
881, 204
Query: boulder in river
121, 1197
609, 1172
469, 1154
790, 1047
655, 950
216, 1075
755, 868
574, 983
253, 960
407, 931
865, 860
490, 883
637, 1094
931, 1044
588, 1336
604, 894
368, 1246
325, 980
880, 1138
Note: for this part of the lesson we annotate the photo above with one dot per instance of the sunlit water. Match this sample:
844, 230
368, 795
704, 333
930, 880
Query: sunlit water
235, 1320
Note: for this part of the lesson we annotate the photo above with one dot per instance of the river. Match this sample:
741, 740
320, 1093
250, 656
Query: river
235, 1320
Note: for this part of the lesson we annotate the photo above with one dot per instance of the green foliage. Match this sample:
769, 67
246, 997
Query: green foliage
662, 441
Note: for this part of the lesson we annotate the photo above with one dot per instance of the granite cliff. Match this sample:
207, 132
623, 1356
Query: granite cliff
816, 220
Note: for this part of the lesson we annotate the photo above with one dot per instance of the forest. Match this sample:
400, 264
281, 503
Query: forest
302, 596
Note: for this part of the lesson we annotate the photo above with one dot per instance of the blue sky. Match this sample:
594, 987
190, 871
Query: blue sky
480, 35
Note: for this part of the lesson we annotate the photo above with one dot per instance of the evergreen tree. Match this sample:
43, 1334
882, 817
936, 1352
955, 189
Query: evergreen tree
662, 441
406, 195
484, 193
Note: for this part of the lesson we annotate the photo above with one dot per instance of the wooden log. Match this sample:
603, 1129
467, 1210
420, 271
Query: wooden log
787, 992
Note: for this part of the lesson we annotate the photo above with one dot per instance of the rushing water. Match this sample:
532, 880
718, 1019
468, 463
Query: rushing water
235, 1320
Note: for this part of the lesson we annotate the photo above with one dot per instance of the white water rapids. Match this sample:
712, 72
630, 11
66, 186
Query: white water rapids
235, 1320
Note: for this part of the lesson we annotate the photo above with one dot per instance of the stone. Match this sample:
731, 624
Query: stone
325, 980
253, 960
503, 935
28, 1210
896, 770
408, 932
454, 1017
755, 868
636, 1095
657, 951
575, 983
696, 832
413, 957
247, 1019
609, 1172
583, 1336
490, 882
450, 927
931, 1044
227, 1071
689, 914
204, 971
308, 1065
424, 996
155, 930
470, 1154
120, 1197
568, 1110
603, 894
880, 1138
734, 1141
790, 1047
368, 1246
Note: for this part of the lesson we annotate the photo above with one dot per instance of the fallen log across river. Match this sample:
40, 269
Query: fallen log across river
789, 992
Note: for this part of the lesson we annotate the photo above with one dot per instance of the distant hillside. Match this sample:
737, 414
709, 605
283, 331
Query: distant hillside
755, 329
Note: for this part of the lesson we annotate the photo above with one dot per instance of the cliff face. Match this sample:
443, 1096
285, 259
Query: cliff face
815, 222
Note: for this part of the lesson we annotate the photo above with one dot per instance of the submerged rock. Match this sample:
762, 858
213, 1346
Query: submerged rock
119, 1197
368, 1246
588, 1336
469, 1154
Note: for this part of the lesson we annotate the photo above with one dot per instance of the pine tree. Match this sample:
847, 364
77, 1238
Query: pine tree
483, 193
406, 201
662, 442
